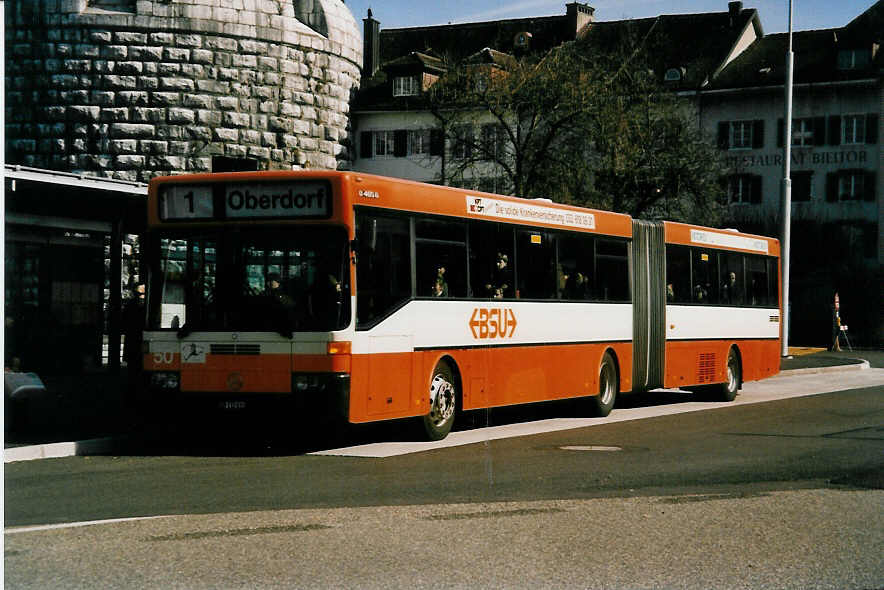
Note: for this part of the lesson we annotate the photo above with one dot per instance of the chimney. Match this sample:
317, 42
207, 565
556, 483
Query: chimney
371, 46
734, 9
579, 15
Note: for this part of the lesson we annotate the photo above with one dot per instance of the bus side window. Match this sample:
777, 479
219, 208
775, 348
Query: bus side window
612, 271
756, 273
575, 270
704, 275
678, 274
383, 271
491, 261
536, 258
441, 258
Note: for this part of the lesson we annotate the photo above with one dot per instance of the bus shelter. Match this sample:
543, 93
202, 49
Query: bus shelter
71, 264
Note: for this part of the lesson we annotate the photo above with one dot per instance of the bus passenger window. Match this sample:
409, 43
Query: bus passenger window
441, 258
574, 270
704, 266
612, 271
756, 271
733, 285
678, 274
383, 267
491, 261
536, 256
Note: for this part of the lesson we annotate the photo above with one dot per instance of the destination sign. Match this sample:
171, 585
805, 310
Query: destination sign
283, 199
256, 200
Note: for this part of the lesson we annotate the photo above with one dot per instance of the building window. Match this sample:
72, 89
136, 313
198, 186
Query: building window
853, 129
802, 132
462, 142
744, 189
418, 142
853, 59
741, 135
802, 185
384, 143
850, 185
493, 137
405, 86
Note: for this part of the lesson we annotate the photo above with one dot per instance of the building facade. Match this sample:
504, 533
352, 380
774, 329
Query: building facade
836, 163
731, 78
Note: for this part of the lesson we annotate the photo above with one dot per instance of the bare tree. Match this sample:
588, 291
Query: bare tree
599, 131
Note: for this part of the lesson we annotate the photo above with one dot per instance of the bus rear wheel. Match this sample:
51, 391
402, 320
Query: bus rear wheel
601, 405
727, 391
443, 403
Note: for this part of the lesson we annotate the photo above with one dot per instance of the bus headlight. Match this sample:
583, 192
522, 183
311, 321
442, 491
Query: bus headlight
165, 380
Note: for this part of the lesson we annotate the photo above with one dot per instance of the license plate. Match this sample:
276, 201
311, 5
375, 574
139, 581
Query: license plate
233, 405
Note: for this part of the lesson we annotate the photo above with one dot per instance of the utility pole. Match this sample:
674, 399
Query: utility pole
785, 244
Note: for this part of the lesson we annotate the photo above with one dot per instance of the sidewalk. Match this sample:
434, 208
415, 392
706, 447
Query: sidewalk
86, 413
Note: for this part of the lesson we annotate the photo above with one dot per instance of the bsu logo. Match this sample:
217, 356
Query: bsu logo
492, 323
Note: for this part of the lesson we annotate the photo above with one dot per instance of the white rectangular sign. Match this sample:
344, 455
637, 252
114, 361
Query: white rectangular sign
728, 241
485, 207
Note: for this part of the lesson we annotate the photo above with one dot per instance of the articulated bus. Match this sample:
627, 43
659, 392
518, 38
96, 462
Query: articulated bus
371, 298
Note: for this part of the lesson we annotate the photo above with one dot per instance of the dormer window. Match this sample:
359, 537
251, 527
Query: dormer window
405, 86
674, 74
854, 59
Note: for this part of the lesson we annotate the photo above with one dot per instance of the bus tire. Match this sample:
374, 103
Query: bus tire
727, 391
601, 405
443, 403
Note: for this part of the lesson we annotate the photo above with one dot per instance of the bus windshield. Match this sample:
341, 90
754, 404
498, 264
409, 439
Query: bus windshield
250, 280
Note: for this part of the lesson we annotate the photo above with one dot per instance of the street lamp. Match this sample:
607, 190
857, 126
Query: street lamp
787, 190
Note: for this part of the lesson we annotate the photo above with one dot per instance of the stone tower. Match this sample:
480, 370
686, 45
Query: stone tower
132, 89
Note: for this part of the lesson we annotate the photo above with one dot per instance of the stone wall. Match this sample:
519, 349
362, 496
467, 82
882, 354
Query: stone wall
131, 89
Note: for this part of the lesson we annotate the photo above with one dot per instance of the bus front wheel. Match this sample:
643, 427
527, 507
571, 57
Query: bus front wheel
443, 402
601, 405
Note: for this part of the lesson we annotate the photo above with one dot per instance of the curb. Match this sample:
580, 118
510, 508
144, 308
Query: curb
95, 446
98, 446
861, 365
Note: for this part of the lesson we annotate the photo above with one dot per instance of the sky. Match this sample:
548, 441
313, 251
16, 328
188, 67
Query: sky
806, 14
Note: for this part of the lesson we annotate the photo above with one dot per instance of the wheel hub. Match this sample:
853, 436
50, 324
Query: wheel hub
441, 400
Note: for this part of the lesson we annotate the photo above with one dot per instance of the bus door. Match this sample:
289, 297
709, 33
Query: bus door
383, 288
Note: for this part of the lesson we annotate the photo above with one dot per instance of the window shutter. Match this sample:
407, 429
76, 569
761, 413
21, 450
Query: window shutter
872, 128
819, 131
437, 142
755, 194
400, 143
758, 134
724, 128
365, 141
834, 130
781, 132
869, 186
832, 187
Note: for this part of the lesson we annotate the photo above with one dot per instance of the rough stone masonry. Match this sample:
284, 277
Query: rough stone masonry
132, 89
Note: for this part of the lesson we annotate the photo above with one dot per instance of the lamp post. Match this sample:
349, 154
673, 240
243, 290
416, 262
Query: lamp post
787, 191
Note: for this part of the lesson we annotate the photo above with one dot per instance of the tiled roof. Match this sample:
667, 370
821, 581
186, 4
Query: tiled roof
457, 42
699, 43
816, 55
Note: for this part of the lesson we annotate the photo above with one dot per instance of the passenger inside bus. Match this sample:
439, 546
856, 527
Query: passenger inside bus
440, 286
499, 286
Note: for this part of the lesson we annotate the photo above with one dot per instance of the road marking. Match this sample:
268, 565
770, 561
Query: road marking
775, 388
73, 525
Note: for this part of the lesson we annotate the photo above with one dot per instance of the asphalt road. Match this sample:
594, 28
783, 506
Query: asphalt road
779, 494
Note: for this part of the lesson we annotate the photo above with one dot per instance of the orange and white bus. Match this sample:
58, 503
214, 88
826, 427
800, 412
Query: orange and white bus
376, 298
